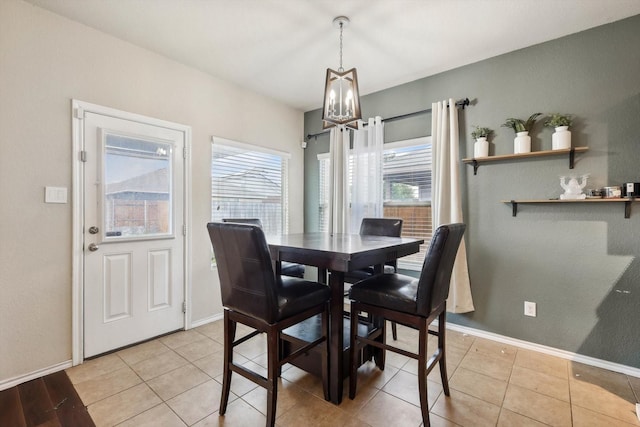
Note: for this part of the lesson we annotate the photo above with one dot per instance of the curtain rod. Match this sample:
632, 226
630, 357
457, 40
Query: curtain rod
460, 104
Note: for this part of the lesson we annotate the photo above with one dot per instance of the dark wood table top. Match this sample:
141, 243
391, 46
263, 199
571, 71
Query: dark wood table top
340, 252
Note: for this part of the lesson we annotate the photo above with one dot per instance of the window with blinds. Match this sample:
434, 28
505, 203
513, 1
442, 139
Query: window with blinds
407, 192
323, 193
406, 185
249, 182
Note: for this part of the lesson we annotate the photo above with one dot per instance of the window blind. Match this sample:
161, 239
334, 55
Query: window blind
407, 193
247, 182
323, 194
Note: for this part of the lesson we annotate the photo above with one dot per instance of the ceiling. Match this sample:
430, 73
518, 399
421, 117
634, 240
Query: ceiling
282, 48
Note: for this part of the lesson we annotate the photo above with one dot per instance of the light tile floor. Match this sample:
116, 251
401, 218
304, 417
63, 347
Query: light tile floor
176, 381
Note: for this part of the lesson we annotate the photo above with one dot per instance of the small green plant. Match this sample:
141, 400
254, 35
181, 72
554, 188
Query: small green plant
519, 125
480, 132
557, 120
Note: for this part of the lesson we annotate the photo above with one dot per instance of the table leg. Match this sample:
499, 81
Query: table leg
336, 372
322, 275
278, 268
378, 269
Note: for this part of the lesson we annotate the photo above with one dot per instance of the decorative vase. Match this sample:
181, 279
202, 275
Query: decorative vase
481, 147
522, 143
561, 138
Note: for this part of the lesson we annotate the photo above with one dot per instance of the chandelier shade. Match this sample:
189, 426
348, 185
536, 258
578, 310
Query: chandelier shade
341, 104
341, 99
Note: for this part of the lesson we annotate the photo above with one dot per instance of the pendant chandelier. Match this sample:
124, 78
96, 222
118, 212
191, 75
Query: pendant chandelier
341, 104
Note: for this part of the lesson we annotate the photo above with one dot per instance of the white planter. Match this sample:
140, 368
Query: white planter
522, 143
481, 147
561, 138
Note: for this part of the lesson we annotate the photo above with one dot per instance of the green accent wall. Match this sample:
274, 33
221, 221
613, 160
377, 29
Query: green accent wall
578, 262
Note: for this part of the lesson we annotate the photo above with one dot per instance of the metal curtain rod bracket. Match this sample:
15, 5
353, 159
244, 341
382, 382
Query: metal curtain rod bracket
459, 104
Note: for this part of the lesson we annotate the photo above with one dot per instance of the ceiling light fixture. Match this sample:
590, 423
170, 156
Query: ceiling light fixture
341, 96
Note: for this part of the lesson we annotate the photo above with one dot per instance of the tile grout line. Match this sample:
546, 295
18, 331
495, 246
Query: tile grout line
466, 350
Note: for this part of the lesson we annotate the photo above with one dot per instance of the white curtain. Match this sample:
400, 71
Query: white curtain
366, 184
446, 202
339, 178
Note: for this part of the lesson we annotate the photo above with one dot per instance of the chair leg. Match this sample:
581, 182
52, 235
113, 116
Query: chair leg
443, 353
229, 336
325, 353
422, 372
353, 353
394, 331
273, 367
380, 353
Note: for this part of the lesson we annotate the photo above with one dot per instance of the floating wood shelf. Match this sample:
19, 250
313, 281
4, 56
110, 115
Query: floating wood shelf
627, 203
475, 162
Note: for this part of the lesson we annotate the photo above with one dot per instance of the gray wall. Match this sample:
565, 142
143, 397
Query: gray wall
578, 262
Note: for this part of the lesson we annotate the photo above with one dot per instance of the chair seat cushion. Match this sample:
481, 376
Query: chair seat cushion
292, 269
394, 291
297, 295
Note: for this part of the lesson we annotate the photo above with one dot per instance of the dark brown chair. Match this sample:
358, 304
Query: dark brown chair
412, 302
286, 268
391, 227
253, 295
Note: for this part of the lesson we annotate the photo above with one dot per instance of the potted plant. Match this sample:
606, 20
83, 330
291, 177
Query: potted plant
481, 146
522, 141
561, 138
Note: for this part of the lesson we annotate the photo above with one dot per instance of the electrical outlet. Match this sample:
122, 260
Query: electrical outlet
530, 308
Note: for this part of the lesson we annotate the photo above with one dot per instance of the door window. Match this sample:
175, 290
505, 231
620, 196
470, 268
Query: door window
137, 188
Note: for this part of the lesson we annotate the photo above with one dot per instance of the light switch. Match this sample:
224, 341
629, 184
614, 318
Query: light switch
55, 194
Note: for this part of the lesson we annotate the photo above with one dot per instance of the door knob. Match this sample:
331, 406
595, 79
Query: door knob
93, 247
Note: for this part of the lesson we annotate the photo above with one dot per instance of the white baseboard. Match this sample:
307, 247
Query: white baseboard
12, 382
206, 320
587, 360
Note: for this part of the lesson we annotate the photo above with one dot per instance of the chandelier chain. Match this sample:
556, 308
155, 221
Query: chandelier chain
341, 69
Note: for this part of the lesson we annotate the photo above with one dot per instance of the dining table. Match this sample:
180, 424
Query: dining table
334, 255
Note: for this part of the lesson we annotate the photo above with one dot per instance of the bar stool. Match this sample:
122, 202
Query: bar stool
253, 295
412, 302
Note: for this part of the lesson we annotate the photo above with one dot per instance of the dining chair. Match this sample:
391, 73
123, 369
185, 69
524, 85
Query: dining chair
253, 295
414, 302
286, 268
390, 227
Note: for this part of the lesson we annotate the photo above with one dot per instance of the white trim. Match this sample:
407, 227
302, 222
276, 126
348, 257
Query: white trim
247, 146
78, 108
188, 222
207, 320
563, 354
77, 191
12, 382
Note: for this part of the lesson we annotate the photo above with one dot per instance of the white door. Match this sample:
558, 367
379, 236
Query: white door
133, 231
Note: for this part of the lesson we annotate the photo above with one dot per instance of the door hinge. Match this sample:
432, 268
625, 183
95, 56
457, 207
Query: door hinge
184, 152
78, 113
184, 230
83, 156
184, 306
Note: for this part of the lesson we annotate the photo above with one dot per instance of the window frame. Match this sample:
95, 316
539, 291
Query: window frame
325, 157
285, 158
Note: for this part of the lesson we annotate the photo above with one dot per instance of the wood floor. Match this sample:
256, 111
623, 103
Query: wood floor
49, 401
